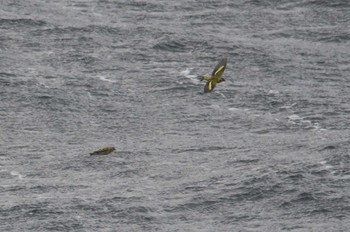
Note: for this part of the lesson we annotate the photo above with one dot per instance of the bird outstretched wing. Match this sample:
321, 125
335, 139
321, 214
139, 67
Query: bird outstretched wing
220, 68
209, 86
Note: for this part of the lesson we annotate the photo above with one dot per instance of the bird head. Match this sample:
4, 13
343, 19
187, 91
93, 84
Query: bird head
221, 80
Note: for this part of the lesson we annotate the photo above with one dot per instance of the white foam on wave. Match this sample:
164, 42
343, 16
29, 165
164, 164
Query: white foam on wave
336, 173
238, 109
295, 119
288, 106
16, 174
215, 106
103, 78
328, 167
223, 95
273, 92
233, 109
187, 73
325, 165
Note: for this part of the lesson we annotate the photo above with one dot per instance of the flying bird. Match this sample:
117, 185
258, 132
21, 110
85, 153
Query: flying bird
103, 151
215, 76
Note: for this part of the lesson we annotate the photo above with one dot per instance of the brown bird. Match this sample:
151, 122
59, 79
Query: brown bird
215, 76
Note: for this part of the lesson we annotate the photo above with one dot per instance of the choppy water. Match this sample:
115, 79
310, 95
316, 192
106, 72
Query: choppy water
267, 150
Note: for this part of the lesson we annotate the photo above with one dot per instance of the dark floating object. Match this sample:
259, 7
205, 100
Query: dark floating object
103, 151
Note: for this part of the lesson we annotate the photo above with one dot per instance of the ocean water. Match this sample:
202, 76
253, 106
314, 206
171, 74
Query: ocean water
267, 150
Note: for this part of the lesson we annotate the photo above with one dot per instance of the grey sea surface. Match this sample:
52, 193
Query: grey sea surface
267, 150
